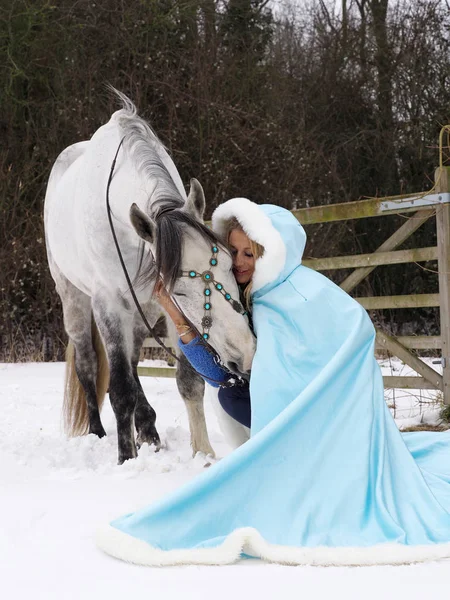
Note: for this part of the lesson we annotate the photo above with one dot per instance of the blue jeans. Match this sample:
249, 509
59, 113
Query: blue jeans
235, 401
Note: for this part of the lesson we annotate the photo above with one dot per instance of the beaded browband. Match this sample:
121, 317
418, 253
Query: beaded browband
209, 280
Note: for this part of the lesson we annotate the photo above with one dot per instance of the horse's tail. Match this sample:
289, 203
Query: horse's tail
75, 410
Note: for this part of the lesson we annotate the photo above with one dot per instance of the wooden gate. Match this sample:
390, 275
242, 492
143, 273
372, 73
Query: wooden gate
434, 204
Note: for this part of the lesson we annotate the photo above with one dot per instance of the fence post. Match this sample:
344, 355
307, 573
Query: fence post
442, 180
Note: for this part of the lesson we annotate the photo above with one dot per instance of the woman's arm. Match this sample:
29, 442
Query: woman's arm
197, 354
204, 362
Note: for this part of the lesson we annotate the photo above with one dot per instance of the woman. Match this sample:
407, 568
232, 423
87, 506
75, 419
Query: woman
326, 477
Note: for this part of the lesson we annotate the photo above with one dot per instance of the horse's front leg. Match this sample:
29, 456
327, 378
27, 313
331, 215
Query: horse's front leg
192, 387
116, 329
145, 416
123, 395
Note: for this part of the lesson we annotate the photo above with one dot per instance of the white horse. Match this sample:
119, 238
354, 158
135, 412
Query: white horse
160, 233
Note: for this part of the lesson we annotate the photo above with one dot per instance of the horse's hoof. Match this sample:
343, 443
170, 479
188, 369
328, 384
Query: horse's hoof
99, 432
127, 452
152, 439
123, 459
207, 452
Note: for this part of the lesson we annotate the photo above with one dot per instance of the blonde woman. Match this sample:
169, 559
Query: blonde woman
326, 477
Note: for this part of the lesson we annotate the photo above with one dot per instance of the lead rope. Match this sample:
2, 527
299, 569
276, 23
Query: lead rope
228, 383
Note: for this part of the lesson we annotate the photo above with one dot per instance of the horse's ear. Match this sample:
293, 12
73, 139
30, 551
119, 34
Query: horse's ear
145, 226
195, 203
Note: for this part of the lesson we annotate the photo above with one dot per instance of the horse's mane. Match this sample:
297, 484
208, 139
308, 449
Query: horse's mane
165, 204
143, 144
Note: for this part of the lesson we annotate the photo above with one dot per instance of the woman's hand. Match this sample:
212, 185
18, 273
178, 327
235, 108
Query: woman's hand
163, 298
184, 330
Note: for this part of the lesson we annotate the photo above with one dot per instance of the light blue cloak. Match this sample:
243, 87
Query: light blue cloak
326, 477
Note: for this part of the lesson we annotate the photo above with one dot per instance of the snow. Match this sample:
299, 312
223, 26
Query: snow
55, 492
411, 407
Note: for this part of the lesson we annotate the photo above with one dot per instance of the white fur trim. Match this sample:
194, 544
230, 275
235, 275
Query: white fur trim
248, 540
259, 228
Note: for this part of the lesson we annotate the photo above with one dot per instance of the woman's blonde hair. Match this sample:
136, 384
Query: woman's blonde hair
257, 251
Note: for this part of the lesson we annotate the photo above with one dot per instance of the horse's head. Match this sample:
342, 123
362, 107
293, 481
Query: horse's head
196, 269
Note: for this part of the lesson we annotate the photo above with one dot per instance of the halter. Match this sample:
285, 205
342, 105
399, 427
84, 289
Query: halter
208, 278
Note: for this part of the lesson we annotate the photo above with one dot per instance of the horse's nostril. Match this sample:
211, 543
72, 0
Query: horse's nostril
237, 368
233, 367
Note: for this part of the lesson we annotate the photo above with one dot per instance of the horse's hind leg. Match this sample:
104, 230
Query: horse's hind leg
85, 389
191, 387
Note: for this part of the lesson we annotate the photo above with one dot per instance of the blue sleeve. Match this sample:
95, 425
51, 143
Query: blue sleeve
203, 362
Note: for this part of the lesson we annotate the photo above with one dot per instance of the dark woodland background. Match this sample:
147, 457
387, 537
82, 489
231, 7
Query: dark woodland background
299, 104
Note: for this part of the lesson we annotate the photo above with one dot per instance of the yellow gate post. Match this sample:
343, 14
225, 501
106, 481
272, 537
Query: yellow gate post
442, 179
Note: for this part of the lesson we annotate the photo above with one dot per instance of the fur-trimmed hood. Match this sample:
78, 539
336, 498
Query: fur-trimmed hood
275, 228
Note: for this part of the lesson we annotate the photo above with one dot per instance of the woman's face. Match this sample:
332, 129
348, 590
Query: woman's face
243, 259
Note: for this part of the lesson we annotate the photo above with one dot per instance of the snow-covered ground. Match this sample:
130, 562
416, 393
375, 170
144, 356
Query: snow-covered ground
411, 407
55, 492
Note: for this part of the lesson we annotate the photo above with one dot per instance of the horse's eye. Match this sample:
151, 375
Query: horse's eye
179, 294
